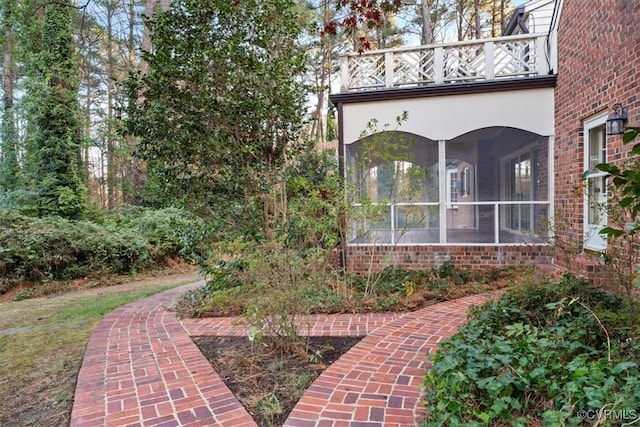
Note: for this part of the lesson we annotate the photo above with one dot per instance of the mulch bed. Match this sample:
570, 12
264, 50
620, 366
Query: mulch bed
269, 376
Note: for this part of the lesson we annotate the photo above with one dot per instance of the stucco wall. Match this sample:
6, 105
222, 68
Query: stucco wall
446, 117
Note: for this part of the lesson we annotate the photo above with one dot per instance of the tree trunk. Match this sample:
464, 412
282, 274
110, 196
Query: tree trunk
494, 19
325, 63
9, 167
56, 116
460, 11
150, 9
133, 180
87, 125
7, 81
427, 37
111, 147
478, 25
138, 167
502, 17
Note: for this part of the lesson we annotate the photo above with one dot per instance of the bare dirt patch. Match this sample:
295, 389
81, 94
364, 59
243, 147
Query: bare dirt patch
270, 379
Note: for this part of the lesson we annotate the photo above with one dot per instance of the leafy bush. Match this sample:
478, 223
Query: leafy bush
36, 250
394, 280
46, 249
241, 274
556, 353
258, 270
164, 229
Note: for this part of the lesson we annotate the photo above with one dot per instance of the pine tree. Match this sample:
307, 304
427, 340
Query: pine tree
55, 116
9, 168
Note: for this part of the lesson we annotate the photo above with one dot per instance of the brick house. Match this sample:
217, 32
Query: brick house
449, 148
598, 62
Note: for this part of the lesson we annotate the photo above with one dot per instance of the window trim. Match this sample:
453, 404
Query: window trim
593, 241
452, 190
466, 182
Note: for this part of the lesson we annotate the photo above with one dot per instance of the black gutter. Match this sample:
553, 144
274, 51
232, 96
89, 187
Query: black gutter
444, 89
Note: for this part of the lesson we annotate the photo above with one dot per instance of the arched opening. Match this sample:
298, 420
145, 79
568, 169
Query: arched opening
488, 186
394, 189
501, 185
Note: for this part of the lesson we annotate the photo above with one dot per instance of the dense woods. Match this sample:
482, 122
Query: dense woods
140, 133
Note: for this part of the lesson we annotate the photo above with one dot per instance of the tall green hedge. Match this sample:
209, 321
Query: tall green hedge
39, 249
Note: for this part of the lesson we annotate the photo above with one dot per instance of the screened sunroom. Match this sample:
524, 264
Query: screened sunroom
488, 186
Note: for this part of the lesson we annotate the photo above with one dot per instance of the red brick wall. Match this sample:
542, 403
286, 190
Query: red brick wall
362, 259
599, 65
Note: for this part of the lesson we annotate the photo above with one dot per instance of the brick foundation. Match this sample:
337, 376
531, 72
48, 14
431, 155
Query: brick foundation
365, 259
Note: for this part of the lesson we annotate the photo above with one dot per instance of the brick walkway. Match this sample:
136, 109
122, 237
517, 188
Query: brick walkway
142, 369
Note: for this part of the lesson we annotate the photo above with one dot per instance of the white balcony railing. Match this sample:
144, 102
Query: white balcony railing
484, 59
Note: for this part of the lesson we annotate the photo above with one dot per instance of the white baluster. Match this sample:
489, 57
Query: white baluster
438, 65
489, 64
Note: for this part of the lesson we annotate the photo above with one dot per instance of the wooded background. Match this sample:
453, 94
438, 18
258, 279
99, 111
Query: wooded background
73, 132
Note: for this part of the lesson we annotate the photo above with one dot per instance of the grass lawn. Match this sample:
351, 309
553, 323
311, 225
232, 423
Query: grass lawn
42, 343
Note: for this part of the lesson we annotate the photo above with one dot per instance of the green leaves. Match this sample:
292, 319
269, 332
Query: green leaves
36, 250
630, 134
54, 131
223, 104
627, 183
501, 368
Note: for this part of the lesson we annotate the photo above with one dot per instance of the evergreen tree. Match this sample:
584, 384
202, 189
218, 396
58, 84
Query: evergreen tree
9, 168
222, 105
54, 115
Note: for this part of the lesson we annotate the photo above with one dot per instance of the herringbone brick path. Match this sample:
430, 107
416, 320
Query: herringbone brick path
142, 369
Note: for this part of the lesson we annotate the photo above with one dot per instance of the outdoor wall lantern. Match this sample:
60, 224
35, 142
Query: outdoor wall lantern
615, 121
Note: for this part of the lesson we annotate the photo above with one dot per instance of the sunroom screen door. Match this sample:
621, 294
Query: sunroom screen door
520, 186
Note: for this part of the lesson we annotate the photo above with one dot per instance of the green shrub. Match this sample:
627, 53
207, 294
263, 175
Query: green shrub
394, 280
49, 249
166, 230
22, 294
36, 250
547, 353
259, 271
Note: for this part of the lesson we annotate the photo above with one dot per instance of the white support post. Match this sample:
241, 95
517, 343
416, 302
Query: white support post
388, 69
489, 63
442, 170
496, 223
438, 65
393, 225
542, 66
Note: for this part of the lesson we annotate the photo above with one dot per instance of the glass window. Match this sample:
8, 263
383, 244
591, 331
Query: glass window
595, 197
